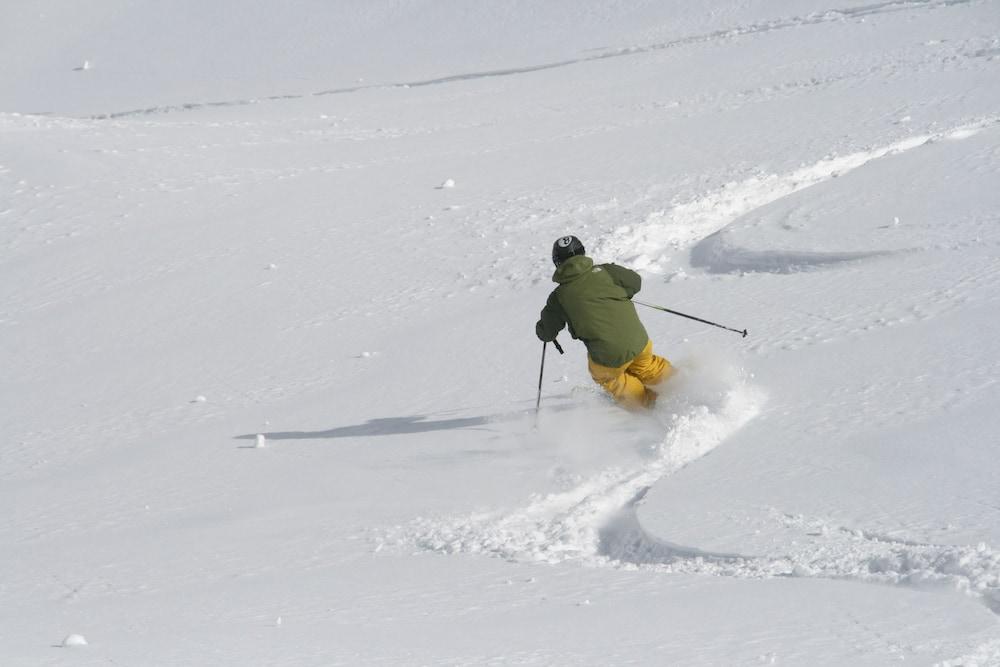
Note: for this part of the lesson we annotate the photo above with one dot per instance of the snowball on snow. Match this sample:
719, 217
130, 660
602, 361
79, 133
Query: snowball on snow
75, 640
450, 183
261, 441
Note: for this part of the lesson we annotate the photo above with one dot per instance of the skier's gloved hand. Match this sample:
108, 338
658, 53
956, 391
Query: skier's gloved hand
542, 334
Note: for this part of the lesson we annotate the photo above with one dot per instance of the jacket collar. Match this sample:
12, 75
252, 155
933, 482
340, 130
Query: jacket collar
572, 268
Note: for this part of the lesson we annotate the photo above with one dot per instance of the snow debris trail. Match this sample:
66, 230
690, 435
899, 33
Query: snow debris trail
568, 525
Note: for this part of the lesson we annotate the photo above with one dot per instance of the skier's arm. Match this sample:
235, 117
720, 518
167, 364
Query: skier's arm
552, 320
627, 279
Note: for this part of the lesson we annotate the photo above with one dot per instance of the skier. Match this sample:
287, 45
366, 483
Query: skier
595, 301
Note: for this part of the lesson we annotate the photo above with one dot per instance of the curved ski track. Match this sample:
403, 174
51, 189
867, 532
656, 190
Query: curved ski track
700, 224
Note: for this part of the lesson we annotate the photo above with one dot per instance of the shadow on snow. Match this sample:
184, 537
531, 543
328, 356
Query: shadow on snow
399, 426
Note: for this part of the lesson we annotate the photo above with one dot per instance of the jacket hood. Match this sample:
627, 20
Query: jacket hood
572, 268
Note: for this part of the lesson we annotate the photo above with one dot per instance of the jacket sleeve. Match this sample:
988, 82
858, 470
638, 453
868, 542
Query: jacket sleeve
627, 279
552, 320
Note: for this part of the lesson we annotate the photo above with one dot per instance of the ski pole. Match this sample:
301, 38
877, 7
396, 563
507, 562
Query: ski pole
541, 372
691, 317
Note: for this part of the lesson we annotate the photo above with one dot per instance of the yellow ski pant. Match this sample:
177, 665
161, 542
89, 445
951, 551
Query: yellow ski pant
629, 384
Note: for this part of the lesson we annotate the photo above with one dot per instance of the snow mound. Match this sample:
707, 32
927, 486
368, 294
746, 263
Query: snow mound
568, 525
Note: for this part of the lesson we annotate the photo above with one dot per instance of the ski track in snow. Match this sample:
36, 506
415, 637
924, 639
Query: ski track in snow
859, 13
596, 524
568, 525
830, 552
699, 224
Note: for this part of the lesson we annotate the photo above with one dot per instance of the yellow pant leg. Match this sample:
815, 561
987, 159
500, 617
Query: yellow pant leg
626, 389
648, 368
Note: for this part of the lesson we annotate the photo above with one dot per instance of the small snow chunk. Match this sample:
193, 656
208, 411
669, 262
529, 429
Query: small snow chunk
366, 355
277, 621
895, 221
199, 399
272, 267
585, 603
450, 183
261, 441
802, 571
75, 640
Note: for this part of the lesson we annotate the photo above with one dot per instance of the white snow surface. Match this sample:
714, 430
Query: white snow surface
269, 376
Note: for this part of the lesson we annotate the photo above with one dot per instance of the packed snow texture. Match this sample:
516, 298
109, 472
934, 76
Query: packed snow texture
267, 295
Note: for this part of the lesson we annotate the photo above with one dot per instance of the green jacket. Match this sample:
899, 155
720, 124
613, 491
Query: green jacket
595, 302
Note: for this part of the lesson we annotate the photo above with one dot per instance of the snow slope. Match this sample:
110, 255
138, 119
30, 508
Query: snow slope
268, 386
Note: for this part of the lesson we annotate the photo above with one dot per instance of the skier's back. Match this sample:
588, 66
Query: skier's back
595, 302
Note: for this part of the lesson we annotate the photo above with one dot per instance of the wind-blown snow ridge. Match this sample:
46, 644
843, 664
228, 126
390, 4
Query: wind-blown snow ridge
815, 18
649, 245
568, 525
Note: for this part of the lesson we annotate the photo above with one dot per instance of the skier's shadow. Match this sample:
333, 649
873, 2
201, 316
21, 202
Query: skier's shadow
385, 426
398, 426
